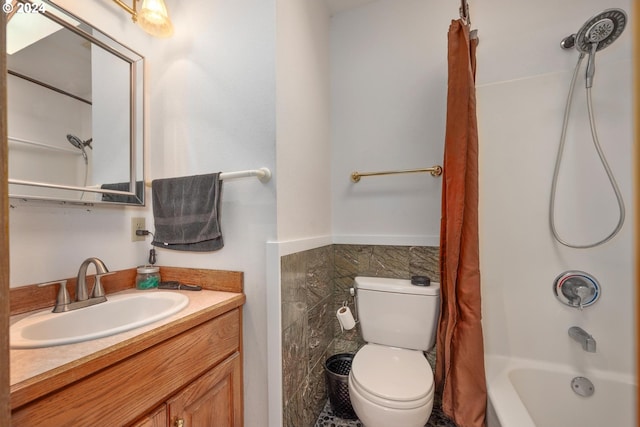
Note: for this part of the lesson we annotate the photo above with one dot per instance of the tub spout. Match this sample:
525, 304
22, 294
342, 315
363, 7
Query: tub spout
584, 338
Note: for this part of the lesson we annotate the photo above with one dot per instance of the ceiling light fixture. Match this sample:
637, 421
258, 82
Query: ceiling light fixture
152, 16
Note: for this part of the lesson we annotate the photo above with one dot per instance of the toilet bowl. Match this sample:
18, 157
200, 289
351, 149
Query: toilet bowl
391, 387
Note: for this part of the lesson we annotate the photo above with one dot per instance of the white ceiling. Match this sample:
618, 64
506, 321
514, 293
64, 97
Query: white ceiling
336, 6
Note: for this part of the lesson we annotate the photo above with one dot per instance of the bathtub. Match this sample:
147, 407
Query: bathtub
528, 393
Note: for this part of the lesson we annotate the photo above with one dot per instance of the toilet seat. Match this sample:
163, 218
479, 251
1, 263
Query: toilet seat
392, 377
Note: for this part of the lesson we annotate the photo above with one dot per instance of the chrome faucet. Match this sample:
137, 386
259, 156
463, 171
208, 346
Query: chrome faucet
63, 301
584, 338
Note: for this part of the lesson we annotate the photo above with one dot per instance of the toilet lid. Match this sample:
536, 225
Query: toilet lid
392, 373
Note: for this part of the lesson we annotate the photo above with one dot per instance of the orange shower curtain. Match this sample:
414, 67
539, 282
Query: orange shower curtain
459, 349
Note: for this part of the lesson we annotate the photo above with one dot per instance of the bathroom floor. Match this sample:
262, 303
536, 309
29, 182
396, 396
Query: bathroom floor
328, 419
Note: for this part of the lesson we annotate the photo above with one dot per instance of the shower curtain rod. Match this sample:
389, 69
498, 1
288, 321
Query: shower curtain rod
464, 12
263, 174
465, 15
434, 171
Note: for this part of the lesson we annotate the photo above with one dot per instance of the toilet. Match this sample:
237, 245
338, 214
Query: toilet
391, 381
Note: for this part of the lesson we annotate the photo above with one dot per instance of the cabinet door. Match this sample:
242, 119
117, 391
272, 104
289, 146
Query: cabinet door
157, 418
213, 400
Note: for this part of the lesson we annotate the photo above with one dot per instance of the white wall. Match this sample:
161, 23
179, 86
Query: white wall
304, 151
215, 103
388, 99
303, 158
523, 80
211, 107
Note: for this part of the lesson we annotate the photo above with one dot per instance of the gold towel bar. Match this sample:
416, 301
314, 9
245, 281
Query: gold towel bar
434, 171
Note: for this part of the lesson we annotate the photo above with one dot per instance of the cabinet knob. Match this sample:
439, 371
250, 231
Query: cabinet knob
179, 422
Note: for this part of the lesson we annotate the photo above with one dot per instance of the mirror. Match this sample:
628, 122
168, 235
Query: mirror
75, 110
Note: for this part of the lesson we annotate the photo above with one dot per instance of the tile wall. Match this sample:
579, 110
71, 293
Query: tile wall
315, 283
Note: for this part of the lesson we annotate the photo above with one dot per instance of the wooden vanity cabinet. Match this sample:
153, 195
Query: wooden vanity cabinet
192, 379
210, 401
157, 418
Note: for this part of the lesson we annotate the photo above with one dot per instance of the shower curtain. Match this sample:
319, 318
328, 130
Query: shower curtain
459, 349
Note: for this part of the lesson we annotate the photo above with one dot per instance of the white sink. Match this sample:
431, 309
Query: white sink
121, 312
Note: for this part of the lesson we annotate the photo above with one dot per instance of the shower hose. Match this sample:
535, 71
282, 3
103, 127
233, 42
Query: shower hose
603, 160
86, 174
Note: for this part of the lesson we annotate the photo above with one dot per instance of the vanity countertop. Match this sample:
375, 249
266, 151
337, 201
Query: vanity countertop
34, 372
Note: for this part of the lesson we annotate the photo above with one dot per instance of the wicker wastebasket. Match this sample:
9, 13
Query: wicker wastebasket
336, 369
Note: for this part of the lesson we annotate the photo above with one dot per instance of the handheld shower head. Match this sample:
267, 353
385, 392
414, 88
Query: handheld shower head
79, 144
602, 29
75, 141
596, 34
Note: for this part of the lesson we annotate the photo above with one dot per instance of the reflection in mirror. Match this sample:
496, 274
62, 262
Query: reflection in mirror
74, 110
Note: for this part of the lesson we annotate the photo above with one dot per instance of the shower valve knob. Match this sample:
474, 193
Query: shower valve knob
576, 289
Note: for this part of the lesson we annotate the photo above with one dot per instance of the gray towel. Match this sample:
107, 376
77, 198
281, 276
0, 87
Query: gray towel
186, 213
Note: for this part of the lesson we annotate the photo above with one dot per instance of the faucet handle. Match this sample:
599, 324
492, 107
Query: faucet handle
583, 294
98, 290
576, 289
63, 298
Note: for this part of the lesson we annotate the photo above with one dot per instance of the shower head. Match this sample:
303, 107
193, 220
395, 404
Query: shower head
75, 141
79, 144
596, 34
602, 29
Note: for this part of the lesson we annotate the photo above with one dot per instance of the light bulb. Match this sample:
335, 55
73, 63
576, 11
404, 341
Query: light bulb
154, 19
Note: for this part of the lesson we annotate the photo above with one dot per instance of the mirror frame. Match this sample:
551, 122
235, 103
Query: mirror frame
136, 113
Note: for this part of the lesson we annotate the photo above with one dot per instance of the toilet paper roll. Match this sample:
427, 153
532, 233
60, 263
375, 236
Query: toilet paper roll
345, 318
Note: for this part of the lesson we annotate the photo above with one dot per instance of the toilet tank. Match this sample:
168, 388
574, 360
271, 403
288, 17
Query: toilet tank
395, 313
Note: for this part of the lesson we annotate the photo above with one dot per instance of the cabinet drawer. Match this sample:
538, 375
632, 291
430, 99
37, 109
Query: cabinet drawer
119, 394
